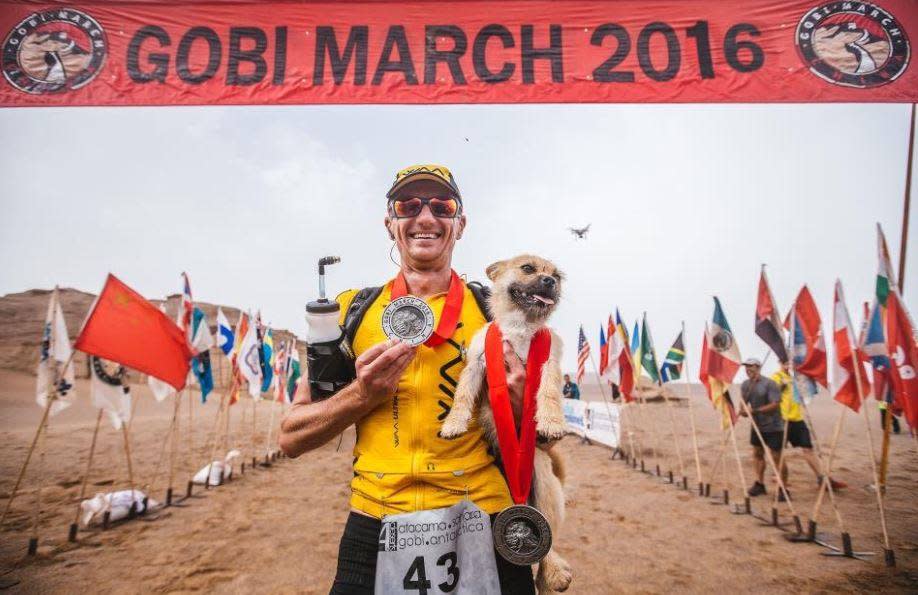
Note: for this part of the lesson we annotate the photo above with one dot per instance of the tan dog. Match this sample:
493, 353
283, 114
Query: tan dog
525, 292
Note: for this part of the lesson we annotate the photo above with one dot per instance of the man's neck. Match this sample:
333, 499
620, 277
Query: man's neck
425, 283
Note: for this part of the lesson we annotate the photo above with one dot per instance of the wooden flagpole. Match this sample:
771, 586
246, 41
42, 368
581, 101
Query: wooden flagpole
781, 463
691, 409
718, 460
601, 390
739, 462
254, 433
273, 406
653, 434
130, 466
826, 481
173, 446
672, 422
92, 450
36, 517
889, 555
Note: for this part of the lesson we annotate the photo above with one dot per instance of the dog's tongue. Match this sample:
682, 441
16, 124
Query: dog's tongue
544, 300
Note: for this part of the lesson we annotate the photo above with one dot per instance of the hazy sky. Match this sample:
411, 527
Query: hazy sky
685, 201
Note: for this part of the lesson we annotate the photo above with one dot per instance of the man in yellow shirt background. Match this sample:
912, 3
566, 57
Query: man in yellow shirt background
798, 434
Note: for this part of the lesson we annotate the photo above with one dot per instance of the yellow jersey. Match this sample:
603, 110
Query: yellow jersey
401, 464
790, 409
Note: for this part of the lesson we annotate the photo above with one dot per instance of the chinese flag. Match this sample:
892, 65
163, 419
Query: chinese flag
126, 328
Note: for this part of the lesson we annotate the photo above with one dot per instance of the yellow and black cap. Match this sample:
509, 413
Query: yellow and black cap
427, 171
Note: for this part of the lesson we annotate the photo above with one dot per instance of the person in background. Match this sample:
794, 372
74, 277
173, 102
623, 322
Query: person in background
764, 399
570, 390
884, 411
798, 434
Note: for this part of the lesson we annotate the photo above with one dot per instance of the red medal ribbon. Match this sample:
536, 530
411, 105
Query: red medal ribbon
449, 317
517, 452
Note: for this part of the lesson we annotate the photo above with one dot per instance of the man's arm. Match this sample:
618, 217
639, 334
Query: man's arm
309, 425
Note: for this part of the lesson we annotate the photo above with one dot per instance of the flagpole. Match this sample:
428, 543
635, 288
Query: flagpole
602, 392
889, 555
903, 245
214, 436
92, 450
254, 431
672, 423
172, 446
688, 389
739, 463
130, 467
653, 428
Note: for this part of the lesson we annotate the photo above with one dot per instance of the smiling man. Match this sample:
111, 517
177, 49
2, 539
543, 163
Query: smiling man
400, 394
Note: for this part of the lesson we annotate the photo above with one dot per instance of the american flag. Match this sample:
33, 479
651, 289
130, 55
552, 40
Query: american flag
583, 353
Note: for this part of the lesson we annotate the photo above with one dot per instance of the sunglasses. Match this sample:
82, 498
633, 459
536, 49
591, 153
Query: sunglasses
411, 206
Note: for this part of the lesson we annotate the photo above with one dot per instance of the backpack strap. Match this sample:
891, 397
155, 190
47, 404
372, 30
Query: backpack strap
482, 295
357, 309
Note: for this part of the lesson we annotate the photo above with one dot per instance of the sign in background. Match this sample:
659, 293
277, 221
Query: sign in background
596, 421
530, 51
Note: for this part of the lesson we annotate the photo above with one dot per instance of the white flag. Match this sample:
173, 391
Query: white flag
55, 351
249, 361
161, 391
109, 393
225, 335
201, 337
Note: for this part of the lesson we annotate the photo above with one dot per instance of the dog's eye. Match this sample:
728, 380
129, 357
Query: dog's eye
528, 269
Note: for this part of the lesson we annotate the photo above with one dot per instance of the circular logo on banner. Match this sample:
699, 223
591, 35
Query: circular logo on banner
853, 44
53, 51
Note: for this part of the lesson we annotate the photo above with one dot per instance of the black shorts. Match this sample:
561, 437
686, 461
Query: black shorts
356, 573
798, 434
772, 439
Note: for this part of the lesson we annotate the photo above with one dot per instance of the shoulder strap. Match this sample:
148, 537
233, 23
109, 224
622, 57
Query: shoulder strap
482, 295
357, 309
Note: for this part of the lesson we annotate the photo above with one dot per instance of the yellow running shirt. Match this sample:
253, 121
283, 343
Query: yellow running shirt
400, 463
790, 409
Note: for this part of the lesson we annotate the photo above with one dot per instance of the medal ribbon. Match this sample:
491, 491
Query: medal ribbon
449, 317
517, 451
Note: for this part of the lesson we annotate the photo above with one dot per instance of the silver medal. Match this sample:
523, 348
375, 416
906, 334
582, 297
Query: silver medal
522, 536
408, 319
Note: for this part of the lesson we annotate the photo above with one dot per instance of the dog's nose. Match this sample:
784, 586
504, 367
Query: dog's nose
548, 281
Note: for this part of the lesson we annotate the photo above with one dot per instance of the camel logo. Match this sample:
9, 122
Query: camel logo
53, 51
853, 44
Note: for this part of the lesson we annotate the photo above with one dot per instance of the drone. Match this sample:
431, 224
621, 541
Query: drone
580, 233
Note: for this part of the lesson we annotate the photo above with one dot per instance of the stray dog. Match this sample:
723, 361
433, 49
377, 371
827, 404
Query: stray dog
525, 292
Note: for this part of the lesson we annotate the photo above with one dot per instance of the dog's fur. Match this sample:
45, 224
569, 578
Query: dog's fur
525, 292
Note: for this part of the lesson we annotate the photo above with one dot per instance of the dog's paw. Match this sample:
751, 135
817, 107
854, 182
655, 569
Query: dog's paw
556, 576
552, 428
453, 427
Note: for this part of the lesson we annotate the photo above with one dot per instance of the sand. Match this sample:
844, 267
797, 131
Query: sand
276, 529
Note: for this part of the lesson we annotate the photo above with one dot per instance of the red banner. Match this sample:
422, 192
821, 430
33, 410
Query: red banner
142, 52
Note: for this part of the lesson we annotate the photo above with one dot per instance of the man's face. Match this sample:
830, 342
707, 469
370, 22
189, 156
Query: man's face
752, 372
567, 378
425, 242
785, 366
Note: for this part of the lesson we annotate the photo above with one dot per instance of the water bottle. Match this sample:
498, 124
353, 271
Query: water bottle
330, 368
322, 314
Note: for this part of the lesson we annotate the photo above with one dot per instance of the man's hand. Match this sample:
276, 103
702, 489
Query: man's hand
742, 412
379, 369
516, 381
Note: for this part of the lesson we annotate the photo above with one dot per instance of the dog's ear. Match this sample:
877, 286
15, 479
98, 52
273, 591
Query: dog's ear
493, 270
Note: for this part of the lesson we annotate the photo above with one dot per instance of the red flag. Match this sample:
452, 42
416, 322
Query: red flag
809, 346
603, 351
126, 328
621, 370
717, 389
849, 360
903, 355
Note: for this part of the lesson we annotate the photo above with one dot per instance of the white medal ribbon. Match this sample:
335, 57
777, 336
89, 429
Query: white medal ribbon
447, 550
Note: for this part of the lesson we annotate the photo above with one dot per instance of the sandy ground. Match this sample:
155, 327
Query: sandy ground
276, 529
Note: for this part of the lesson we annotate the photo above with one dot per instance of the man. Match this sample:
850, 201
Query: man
570, 390
401, 394
764, 400
798, 434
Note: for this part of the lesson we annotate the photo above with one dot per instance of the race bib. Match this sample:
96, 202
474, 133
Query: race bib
447, 550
